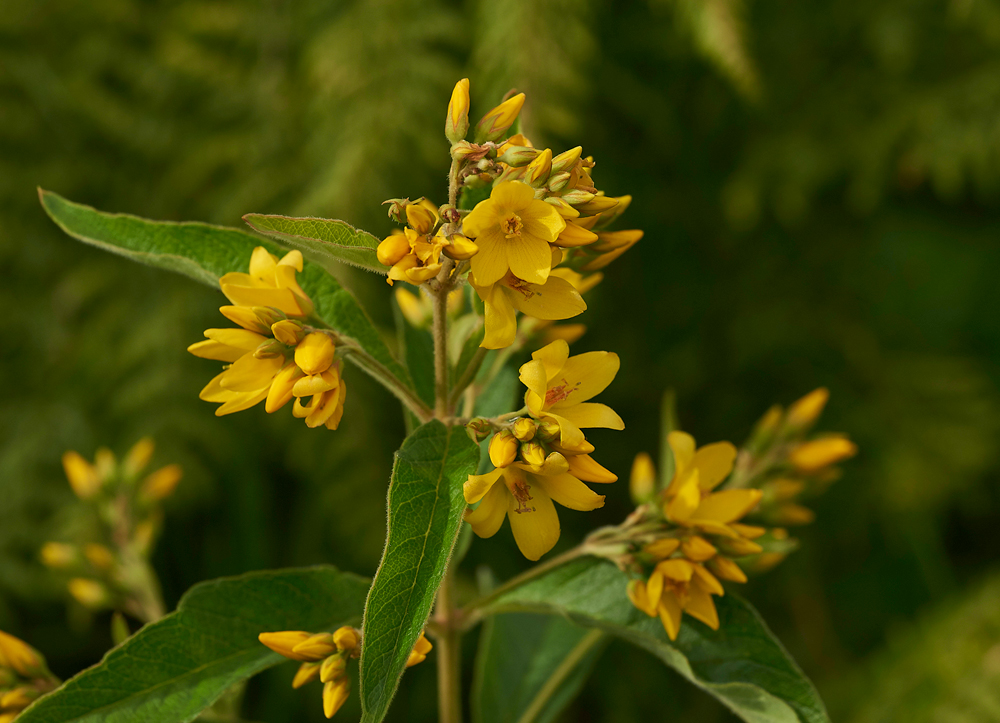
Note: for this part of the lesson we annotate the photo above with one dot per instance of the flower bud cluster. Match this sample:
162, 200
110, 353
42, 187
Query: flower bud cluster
275, 356
414, 253
111, 572
24, 676
325, 656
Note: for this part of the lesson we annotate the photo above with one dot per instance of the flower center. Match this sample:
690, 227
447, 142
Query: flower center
558, 394
518, 486
519, 285
511, 226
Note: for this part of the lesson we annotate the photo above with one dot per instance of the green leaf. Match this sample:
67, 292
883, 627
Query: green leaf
174, 668
425, 514
205, 252
325, 241
668, 424
529, 667
741, 664
416, 346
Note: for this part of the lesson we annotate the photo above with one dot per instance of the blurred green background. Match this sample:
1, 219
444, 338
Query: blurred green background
820, 188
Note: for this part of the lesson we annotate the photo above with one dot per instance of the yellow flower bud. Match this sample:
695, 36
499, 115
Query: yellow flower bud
162, 483
58, 555
460, 247
246, 317
806, 411
642, 482
346, 638
81, 474
316, 647
314, 354
18, 699
335, 694
517, 156
533, 453
99, 556
499, 120
138, 457
503, 449
739, 547
104, 463
307, 673
819, 453
539, 169
566, 160
523, 429
456, 125
316, 384
548, 430
662, 548
698, 549
282, 387
284, 643
89, 593
392, 249
144, 533
332, 668
413, 308
726, 569
21, 657
793, 514
288, 332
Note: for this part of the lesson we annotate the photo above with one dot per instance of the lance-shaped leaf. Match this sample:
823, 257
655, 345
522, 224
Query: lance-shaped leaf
425, 514
173, 669
323, 240
205, 252
741, 664
529, 667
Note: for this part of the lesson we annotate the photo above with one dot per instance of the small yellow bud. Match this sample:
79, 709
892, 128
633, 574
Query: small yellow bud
144, 534
499, 120
806, 411
99, 556
332, 668
81, 474
281, 392
642, 482
314, 354
523, 429
578, 198
478, 429
288, 332
586, 468
793, 514
548, 430
270, 349
21, 657
539, 169
517, 156
533, 453
284, 643
598, 204
413, 308
819, 453
420, 650
162, 483
346, 638
7, 717
726, 569
245, 317
460, 247
751, 532
316, 647
138, 457
307, 673
58, 555
566, 160
18, 699
503, 449
456, 125
662, 548
739, 547
89, 593
335, 694
698, 549
393, 249
268, 316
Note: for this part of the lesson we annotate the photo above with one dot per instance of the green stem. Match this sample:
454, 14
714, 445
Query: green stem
559, 676
449, 652
439, 330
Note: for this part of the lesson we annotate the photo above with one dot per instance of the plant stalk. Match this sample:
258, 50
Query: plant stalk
449, 650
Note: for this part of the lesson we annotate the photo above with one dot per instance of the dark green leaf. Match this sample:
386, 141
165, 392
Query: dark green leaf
668, 424
425, 514
322, 240
205, 252
742, 664
529, 667
173, 669
416, 346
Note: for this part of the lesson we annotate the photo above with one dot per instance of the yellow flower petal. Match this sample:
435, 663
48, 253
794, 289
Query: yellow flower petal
248, 373
487, 518
528, 257
590, 415
533, 376
701, 607
726, 569
663, 548
585, 468
682, 445
654, 590
685, 501
707, 580
82, 476
587, 375
714, 463
280, 392
511, 196
490, 264
535, 524
240, 401
670, 615
262, 265
698, 549
479, 484
675, 569
727, 506
500, 320
314, 354
555, 299
209, 349
542, 220
306, 386
637, 594
570, 492
236, 338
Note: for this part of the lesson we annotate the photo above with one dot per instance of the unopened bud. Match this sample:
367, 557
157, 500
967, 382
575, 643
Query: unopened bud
20, 656
81, 474
314, 354
547, 431
162, 483
523, 428
539, 169
739, 546
145, 533
517, 156
268, 316
558, 181
420, 218
460, 247
288, 332
307, 673
511, 174
89, 593
19, 698
316, 647
456, 124
533, 453
819, 453
598, 204
58, 555
99, 556
450, 214
397, 208
804, 413
566, 160
284, 643
346, 638
793, 514
104, 463
499, 120
503, 449
332, 668
138, 457
642, 482
392, 249
478, 429
335, 694
270, 349
577, 197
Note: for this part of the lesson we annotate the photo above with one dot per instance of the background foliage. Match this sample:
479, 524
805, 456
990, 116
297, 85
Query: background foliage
819, 184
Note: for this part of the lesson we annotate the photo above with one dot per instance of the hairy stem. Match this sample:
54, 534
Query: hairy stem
449, 650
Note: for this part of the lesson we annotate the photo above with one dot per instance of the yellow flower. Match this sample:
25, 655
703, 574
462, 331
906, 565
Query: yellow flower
513, 231
556, 298
811, 457
689, 500
58, 555
20, 657
559, 387
335, 694
89, 593
804, 412
82, 475
642, 482
676, 586
525, 497
420, 650
270, 283
138, 457
161, 483
415, 254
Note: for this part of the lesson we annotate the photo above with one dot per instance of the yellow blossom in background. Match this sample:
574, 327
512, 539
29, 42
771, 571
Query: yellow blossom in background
524, 493
812, 456
559, 387
271, 282
82, 475
513, 231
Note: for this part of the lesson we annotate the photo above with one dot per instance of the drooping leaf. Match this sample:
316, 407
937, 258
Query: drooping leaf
529, 667
425, 514
325, 241
742, 664
173, 669
205, 252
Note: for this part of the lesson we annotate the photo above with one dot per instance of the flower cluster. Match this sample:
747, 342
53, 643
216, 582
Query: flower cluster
275, 356
543, 456
414, 253
325, 656
23, 676
112, 571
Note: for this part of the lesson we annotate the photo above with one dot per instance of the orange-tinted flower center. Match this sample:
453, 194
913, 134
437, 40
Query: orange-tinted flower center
518, 486
511, 226
559, 393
